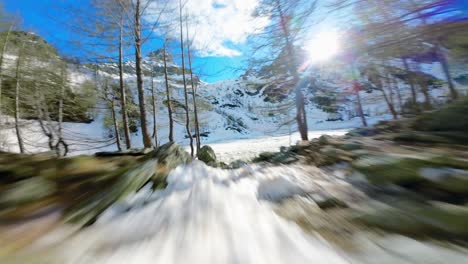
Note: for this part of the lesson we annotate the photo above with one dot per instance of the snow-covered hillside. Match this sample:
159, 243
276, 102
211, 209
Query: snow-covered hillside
228, 110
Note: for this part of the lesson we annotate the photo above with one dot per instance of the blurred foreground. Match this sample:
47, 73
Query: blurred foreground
393, 193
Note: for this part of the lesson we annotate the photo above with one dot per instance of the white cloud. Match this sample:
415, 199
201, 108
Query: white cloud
216, 25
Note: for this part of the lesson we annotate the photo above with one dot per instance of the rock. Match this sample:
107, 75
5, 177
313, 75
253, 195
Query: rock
350, 146
335, 155
287, 157
168, 156
363, 132
207, 154
218, 164
390, 170
128, 152
329, 202
452, 117
324, 139
412, 137
334, 117
264, 156
25, 191
447, 179
284, 158
418, 219
237, 164
80, 167
428, 176
91, 203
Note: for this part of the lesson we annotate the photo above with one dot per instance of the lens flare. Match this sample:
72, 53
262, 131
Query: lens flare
323, 46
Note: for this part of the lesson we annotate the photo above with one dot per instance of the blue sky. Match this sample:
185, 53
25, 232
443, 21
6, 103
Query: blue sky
220, 39
40, 17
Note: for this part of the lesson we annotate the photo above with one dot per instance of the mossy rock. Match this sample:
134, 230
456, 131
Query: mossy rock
402, 171
26, 191
80, 167
264, 157
169, 156
419, 219
324, 139
350, 146
447, 179
237, 164
207, 154
334, 155
362, 132
330, 202
218, 164
449, 118
390, 170
85, 208
419, 137
277, 157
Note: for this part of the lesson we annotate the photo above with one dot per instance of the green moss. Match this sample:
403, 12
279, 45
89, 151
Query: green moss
402, 171
450, 118
441, 220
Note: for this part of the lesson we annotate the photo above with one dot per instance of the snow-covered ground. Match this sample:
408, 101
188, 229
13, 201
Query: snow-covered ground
246, 149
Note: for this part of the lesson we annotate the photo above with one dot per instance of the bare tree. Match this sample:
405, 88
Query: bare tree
17, 99
109, 97
194, 96
168, 95
123, 96
153, 102
139, 75
187, 118
280, 37
2, 56
60, 141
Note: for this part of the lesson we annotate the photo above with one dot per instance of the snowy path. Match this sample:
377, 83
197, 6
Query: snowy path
205, 215
246, 149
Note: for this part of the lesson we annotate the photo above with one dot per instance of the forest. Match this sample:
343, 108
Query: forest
253, 131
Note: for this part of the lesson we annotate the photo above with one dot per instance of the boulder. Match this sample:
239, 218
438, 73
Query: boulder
350, 146
26, 191
168, 157
419, 219
237, 164
207, 154
390, 169
425, 174
447, 179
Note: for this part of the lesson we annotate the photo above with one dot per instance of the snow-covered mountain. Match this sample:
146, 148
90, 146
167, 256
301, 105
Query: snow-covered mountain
254, 105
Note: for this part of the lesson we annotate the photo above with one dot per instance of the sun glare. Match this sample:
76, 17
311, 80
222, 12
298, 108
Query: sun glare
323, 46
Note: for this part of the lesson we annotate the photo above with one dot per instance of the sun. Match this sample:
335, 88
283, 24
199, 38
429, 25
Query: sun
323, 46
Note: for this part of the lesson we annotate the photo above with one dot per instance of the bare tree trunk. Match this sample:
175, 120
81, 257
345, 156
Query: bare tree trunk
141, 92
414, 97
2, 55
47, 130
61, 140
427, 96
187, 118
361, 112
168, 95
400, 99
387, 100
195, 111
153, 99
123, 96
300, 102
445, 68
116, 127
17, 87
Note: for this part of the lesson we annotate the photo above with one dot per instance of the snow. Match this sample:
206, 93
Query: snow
246, 149
235, 116
205, 215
